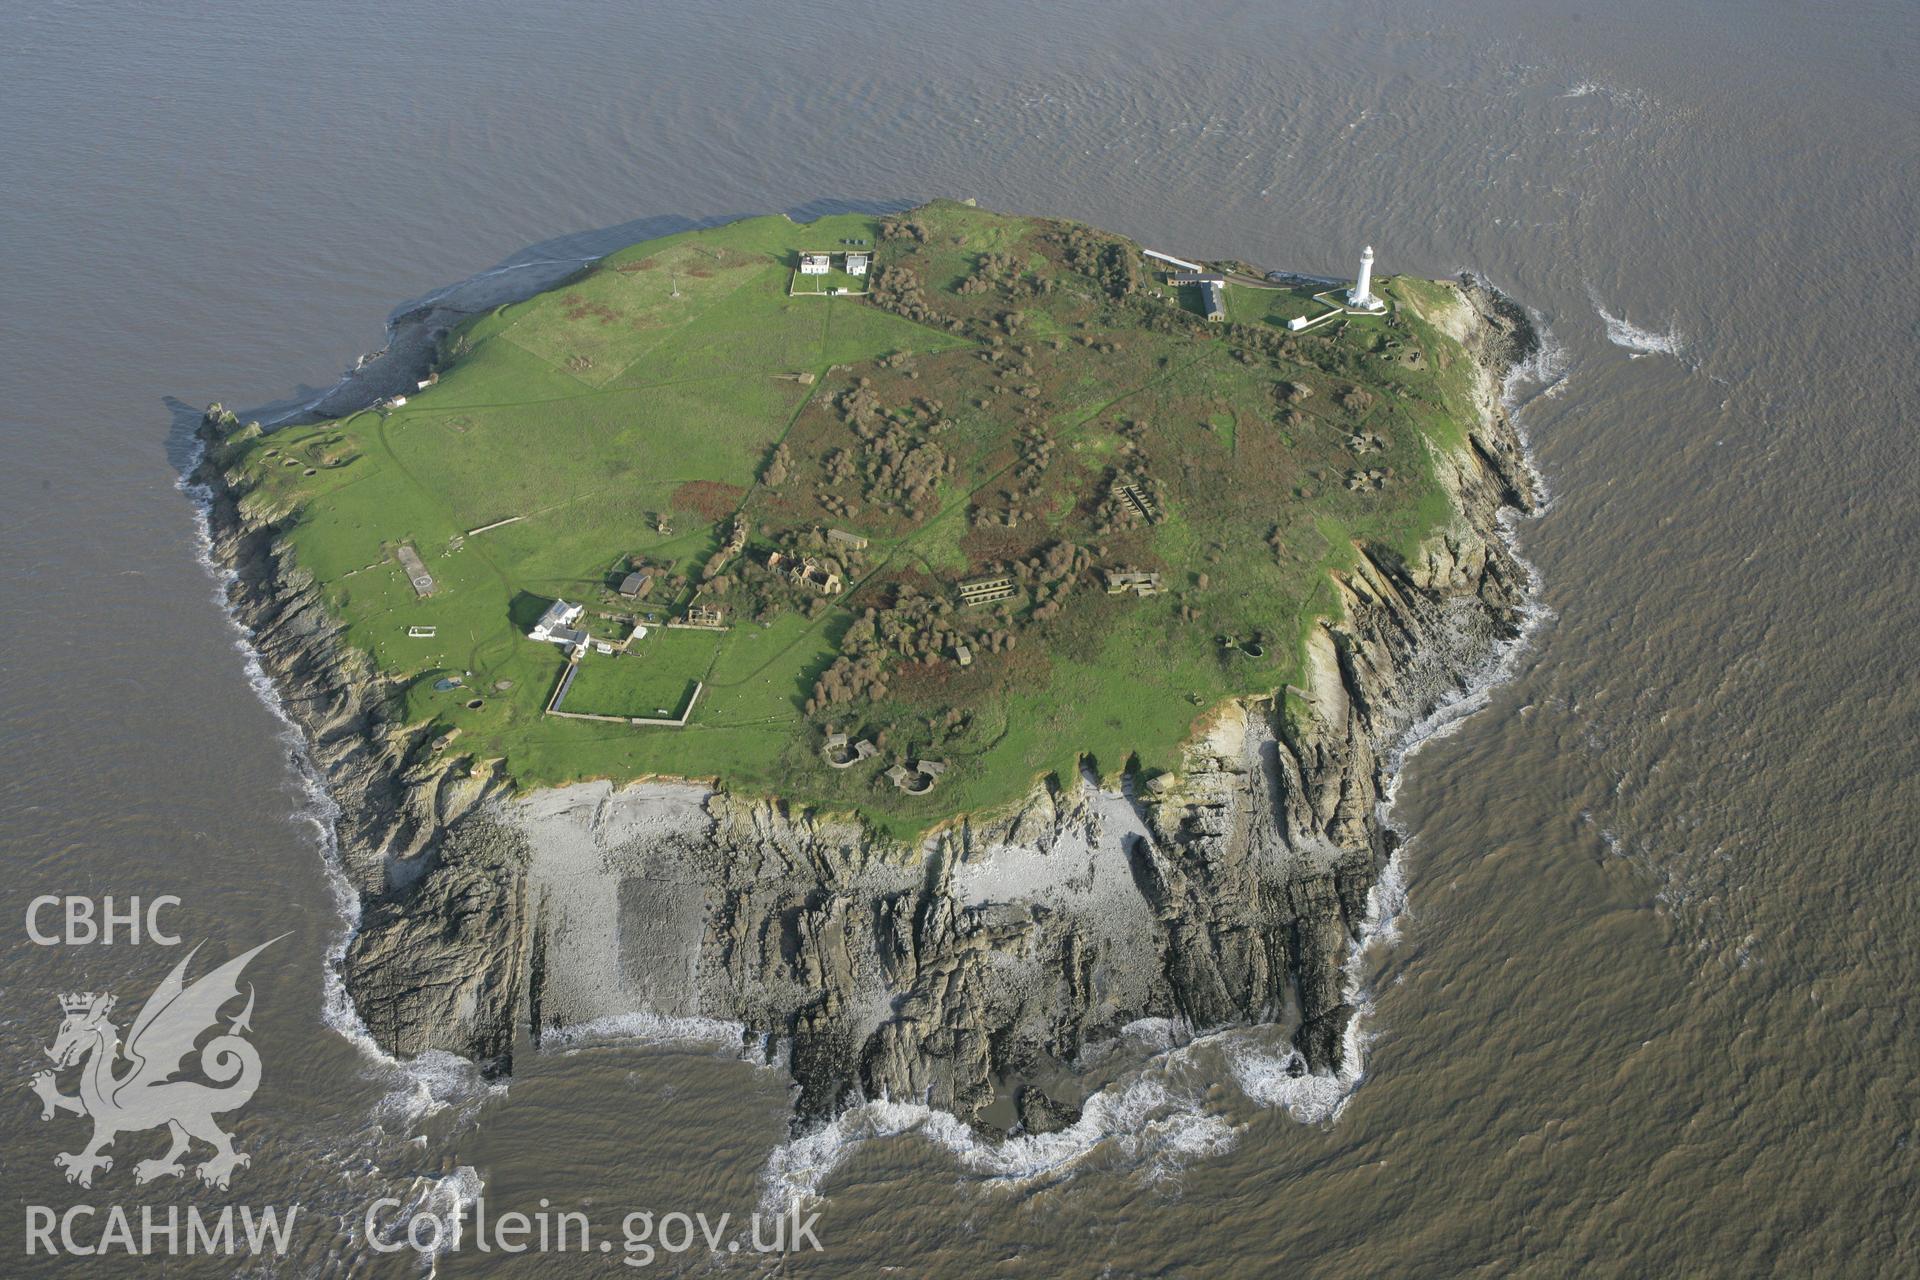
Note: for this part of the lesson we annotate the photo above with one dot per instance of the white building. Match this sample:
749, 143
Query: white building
815, 264
1172, 261
555, 625
856, 264
1362, 299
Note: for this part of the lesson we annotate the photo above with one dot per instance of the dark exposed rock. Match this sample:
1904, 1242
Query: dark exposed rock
959, 974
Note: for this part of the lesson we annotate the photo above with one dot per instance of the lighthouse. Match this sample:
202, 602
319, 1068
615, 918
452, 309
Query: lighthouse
1362, 299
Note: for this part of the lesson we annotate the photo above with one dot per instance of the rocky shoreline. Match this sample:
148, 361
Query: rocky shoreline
971, 974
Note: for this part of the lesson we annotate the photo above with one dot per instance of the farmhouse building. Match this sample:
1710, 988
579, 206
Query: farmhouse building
856, 264
556, 624
1213, 295
1213, 291
815, 264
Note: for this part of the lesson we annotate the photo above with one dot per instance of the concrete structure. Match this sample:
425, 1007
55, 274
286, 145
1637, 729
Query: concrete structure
556, 624
841, 537
1121, 581
815, 264
918, 777
805, 572
841, 754
1362, 299
1138, 499
986, 590
701, 615
856, 264
416, 570
1170, 260
963, 655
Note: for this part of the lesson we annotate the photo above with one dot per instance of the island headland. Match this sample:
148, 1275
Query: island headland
926, 646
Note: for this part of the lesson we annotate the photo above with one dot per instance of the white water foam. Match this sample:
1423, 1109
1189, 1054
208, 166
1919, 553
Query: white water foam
1145, 1118
1541, 376
448, 1199
433, 1082
654, 1029
1155, 1117
1622, 332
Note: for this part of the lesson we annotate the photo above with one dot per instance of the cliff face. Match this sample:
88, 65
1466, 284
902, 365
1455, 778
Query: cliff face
971, 974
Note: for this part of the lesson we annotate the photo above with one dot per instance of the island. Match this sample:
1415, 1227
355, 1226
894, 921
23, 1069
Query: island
930, 643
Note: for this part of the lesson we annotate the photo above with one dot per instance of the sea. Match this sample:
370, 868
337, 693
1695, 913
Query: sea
1641, 988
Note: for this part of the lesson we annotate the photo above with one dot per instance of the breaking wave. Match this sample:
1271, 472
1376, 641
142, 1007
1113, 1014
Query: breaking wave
651, 1028
1641, 342
1158, 1118
432, 1083
1541, 376
449, 1198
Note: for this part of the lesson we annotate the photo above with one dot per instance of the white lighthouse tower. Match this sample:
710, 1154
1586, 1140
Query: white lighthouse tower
1362, 299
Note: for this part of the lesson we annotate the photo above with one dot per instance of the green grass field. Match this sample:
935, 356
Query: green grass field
654, 677
654, 388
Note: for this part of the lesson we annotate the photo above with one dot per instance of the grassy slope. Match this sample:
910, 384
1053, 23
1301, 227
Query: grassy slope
585, 410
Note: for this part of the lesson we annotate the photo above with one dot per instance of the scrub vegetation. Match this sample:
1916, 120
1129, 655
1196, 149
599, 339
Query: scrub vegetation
1016, 399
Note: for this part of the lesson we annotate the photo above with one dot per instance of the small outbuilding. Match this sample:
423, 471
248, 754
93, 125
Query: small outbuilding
636, 585
856, 264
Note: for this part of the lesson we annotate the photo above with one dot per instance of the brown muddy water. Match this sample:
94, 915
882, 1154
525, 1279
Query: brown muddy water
1648, 1006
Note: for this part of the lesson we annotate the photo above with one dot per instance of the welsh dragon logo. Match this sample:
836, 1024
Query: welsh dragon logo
145, 1094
